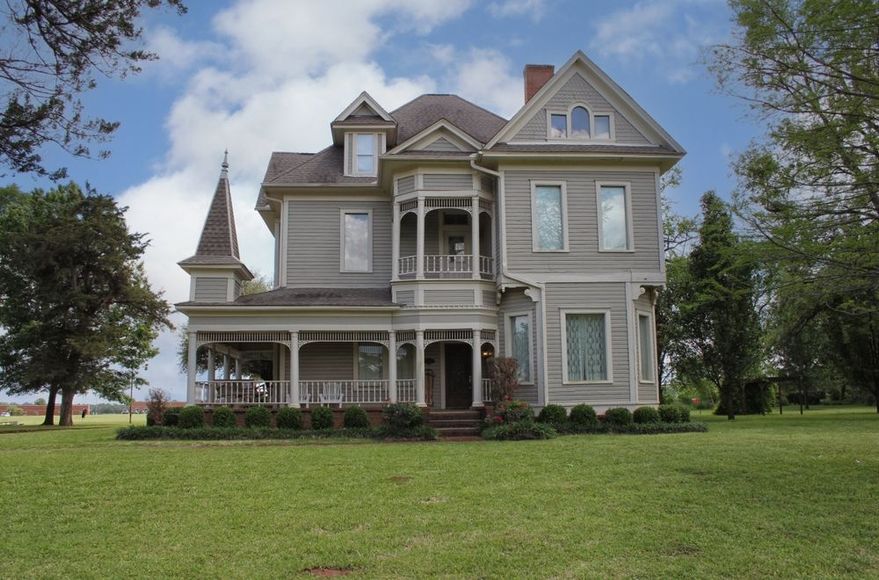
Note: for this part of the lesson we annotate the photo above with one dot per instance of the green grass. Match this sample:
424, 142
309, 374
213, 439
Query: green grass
761, 496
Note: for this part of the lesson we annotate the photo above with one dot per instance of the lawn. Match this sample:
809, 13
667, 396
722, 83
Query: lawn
761, 496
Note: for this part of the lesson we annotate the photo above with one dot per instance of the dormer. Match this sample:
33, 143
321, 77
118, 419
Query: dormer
366, 131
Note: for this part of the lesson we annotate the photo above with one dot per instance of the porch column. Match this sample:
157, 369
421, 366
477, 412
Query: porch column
474, 236
477, 368
419, 368
212, 365
191, 365
237, 368
419, 252
294, 368
392, 366
395, 243
227, 367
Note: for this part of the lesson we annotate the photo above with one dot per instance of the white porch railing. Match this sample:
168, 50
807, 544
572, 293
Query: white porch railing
488, 390
406, 390
242, 392
344, 392
451, 266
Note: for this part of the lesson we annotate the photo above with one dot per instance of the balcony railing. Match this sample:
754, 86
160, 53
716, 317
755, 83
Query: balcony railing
446, 266
242, 392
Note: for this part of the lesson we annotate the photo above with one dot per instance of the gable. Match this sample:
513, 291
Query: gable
364, 110
441, 144
443, 137
577, 90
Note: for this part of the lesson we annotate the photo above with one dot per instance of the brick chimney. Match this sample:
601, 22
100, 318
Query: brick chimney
536, 75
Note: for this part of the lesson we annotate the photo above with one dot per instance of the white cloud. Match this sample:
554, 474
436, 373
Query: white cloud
485, 77
665, 34
280, 81
512, 8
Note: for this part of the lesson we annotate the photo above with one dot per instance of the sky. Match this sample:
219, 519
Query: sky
256, 76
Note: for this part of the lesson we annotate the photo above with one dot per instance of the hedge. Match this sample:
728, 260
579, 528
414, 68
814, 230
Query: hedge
207, 433
519, 431
223, 418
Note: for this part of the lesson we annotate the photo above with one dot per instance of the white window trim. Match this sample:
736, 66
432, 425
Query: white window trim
549, 114
355, 351
342, 213
611, 127
563, 313
376, 148
630, 235
649, 316
568, 113
508, 343
535, 236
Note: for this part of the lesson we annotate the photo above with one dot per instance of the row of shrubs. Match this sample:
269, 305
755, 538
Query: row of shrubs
514, 420
399, 421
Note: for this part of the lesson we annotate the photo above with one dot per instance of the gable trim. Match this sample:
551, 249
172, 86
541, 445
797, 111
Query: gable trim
439, 125
364, 98
640, 119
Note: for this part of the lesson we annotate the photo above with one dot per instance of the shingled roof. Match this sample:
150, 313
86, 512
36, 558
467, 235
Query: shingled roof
357, 297
422, 112
325, 166
218, 244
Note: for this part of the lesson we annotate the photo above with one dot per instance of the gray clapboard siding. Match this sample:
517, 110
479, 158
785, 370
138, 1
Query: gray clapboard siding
406, 184
582, 222
406, 297
326, 360
578, 90
448, 297
211, 289
489, 298
487, 183
596, 296
442, 144
448, 181
515, 301
314, 241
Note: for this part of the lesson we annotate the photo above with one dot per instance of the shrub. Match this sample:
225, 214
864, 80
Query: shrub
171, 417
520, 431
321, 418
402, 416
505, 373
208, 433
618, 416
223, 418
645, 415
674, 413
553, 414
583, 416
258, 417
356, 418
157, 404
419, 433
191, 417
289, 418
514, 411
15, 411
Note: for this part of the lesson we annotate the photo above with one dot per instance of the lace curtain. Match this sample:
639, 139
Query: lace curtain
548, 201
586, 348
521, 345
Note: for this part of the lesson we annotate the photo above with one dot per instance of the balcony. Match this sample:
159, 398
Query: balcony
446, 267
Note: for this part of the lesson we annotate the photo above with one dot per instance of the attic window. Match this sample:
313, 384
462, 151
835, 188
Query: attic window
558, 126
579, 123
364, 154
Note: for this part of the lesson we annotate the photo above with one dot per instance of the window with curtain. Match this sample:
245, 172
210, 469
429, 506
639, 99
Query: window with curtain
406, 362
586, 348
370, 362
580, 123
549, 218
614, 219
645, 342
365, 150
520, 345
356, 245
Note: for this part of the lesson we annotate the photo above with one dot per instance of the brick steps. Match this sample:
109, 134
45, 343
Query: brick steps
455, 423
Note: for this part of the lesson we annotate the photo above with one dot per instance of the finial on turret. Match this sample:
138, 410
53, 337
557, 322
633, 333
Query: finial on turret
225, 165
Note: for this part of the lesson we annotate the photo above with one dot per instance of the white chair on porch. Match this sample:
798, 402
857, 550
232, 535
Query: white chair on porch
304, 399
331, 394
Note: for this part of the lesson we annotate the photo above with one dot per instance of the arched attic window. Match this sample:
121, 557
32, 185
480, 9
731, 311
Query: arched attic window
579, 123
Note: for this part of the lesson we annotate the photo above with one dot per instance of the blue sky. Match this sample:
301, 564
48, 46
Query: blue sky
263, 75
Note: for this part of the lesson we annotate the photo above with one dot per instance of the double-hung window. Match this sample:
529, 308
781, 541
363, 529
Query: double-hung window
356, 242
586, 356
370, 362
645, 348
519, 343
614, 217
549, 217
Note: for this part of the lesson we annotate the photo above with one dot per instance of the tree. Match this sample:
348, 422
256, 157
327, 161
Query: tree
720, 324
77, 309
53, 52
40, 401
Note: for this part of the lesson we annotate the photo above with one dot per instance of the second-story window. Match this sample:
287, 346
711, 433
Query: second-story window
365, 154
614, 223
356, 241
548, 217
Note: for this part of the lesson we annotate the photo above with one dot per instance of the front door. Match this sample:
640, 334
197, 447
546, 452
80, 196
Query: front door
459, 393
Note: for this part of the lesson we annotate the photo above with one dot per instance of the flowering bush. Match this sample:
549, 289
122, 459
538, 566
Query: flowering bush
505, 373
514, 411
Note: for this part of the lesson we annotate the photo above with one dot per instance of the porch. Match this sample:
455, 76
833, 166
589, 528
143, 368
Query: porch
338, 368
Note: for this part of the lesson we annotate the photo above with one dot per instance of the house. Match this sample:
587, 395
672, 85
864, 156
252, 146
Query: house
425, 240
